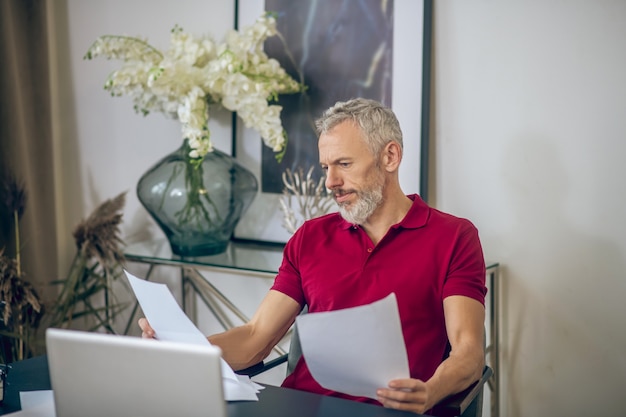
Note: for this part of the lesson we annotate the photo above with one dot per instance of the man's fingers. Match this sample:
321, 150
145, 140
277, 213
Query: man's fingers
147, 332
404, 394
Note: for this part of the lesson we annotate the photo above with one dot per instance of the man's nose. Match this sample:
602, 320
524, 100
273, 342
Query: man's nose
332, 179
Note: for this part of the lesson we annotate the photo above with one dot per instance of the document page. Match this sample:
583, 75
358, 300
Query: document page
171, 323
355, 350
36, 404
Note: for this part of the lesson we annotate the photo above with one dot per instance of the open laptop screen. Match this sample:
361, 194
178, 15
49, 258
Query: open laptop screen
105, 375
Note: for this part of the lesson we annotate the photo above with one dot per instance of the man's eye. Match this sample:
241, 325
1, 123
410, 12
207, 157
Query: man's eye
344, 164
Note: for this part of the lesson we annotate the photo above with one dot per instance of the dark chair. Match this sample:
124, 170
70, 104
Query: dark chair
467, 403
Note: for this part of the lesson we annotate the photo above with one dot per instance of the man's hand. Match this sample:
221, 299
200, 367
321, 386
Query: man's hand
147, 332
406, 394
465, 318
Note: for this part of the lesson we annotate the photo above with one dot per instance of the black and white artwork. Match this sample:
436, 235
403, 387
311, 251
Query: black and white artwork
340, 49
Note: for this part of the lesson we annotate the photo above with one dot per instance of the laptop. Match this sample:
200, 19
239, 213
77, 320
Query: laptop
103, 375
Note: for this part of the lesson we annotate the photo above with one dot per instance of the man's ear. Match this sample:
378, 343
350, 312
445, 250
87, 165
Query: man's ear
392, 155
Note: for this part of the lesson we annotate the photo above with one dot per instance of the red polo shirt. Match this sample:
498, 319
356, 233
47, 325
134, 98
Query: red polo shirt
330, 264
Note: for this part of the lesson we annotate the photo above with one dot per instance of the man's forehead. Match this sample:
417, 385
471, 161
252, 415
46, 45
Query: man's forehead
342, 143
345, 133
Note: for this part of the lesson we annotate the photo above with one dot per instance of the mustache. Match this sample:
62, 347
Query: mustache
338, 192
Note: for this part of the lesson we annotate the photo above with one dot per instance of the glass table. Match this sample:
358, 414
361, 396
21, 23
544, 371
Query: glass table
244, 258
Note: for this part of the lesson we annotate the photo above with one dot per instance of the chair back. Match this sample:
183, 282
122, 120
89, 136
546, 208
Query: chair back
295, 351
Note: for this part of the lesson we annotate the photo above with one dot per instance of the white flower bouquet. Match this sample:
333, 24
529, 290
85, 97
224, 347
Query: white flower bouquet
184, 82
197, 72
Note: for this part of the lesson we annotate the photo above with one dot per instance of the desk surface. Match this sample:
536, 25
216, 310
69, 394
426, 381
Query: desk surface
32, 374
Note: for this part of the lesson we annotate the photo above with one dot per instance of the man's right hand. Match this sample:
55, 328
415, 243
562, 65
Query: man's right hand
147, 332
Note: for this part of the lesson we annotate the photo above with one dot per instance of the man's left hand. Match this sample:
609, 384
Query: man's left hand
405, 394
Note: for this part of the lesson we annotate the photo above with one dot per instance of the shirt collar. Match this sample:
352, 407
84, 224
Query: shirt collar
418, 214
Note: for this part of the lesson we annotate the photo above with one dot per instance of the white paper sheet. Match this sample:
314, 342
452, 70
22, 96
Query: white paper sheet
42, 410
355, 350
30, 399
36, 404
171, 323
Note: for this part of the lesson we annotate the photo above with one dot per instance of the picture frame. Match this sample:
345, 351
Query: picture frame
409, 99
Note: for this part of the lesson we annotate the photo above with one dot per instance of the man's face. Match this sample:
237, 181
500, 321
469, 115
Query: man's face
353, 174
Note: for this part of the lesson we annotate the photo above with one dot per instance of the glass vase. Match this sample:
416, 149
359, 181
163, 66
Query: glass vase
197, 205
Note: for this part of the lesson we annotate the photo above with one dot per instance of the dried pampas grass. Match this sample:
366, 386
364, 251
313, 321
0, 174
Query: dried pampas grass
20, 295
98, 236
20, 307
97, 263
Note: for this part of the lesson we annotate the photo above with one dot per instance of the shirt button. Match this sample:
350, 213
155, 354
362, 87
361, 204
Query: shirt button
370, 250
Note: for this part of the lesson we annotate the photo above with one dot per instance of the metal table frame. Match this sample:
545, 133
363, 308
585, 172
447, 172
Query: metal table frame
493, 349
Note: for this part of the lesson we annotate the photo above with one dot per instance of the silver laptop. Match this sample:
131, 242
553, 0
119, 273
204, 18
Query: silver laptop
95, 375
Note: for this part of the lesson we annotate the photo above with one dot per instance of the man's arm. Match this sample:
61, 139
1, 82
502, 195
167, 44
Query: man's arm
465, 323
465, 318
250, 343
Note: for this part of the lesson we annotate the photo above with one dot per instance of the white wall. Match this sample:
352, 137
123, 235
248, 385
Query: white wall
529, 136
528, 132
115, 145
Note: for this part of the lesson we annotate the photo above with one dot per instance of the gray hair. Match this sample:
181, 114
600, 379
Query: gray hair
377, 122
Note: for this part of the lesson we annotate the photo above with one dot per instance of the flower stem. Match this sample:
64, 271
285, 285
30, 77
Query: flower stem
194, 209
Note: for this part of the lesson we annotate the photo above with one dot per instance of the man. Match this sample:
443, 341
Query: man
381, 241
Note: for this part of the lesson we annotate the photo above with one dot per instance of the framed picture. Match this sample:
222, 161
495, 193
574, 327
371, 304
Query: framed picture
340, 49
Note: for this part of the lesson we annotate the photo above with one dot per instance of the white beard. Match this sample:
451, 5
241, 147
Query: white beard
367, 202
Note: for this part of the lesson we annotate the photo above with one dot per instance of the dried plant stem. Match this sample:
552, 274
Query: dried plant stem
18, 267
65, 300
16, 221
20, 343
